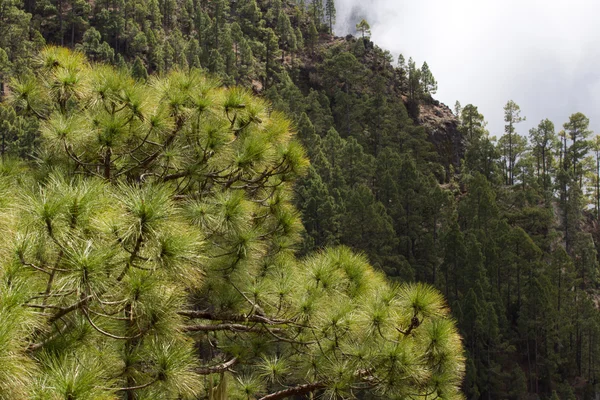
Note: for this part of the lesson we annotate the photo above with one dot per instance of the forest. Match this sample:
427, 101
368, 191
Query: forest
222, 199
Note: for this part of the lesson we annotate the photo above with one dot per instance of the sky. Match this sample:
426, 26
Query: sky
543, 54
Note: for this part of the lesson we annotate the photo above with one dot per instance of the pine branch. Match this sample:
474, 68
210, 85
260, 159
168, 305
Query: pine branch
64, 311
234, 317
226, 327
294, 391
414, 323
217, 368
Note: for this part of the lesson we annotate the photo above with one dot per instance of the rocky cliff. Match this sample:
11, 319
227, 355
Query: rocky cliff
442, 126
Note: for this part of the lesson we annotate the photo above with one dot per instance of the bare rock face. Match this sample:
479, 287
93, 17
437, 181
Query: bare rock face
442, 126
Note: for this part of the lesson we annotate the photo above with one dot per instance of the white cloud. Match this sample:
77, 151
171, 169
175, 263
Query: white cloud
542, 54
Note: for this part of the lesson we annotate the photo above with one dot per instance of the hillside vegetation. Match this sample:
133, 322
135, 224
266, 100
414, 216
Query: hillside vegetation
504, 226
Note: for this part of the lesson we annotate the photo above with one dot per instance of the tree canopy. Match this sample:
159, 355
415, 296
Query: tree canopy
364, 28
504, 224
151, 254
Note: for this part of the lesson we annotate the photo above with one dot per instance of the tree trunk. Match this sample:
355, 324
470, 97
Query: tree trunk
60, 23
598, 186
510, 177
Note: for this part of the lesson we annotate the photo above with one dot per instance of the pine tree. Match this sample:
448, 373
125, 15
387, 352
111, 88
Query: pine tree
287, 37
578, 130
364, 28
457, 109
511, 147
320, 213
403, 72
472, 123
249, 17
522, 317
313, 35
595, 145
317, 11
216, 63
78, 18
227, 51
162, 226
330, 14
220, 10
96, 49
138, 70
415, 88
454, 259
428, 81
5, 67
238, 37
274, 13
17, 44
18, 135
512, 116
272, 52
543, 139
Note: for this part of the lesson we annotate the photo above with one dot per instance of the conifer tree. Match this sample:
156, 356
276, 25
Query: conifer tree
454, 260
511, 147
274, 13
415, 88
221, 13
313, 35
543, 139
428, 81
238, 37
364, 28
526, 318
4, 70
330, 14
249, 17
17, 46
578, 131
162, 227
457, 109
18, 136
317, 11
287, 37
138, 70
216, 63
96, 49
78, 18
272, 52
299, 38
320, 213
472, 123
596, 149
228, 52
402, 71
512, 116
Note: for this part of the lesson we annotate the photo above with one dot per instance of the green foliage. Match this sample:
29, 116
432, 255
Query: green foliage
578, 130
138, 70
330, 13
161, 223
428, 81
512, 144
504, 228
18, 135
94, 48
364, 28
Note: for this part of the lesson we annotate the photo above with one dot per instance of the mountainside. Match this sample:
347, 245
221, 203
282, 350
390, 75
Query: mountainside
506, 229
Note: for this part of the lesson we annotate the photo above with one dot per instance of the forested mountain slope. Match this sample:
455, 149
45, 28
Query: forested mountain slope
506, 229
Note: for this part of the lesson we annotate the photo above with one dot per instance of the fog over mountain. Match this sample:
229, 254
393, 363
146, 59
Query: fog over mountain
542, 54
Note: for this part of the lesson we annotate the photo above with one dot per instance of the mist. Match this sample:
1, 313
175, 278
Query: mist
541, 54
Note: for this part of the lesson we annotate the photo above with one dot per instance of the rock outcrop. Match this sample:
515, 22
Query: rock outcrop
442, 126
